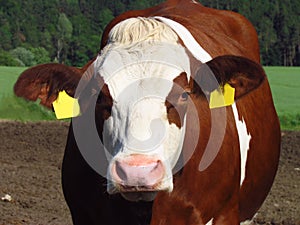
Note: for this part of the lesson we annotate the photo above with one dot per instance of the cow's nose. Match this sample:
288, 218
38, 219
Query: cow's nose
138, 173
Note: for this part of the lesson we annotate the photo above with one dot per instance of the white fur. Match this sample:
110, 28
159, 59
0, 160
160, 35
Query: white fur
139, 64
189, 41
128, 130
138, 31
247, 222
210, 222
244, 139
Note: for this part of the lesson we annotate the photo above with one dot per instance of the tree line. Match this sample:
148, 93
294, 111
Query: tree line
69, 31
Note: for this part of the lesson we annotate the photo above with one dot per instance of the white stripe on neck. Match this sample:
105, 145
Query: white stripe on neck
244, 139
189, 41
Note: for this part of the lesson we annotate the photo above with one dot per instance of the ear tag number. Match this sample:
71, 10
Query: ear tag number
222, 98
65, 106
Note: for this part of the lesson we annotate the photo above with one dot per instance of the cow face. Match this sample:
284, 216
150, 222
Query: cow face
142, 106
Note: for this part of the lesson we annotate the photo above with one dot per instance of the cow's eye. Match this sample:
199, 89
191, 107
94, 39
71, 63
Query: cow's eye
184, 96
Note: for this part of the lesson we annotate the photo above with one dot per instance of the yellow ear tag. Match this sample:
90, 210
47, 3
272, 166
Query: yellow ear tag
219, 99
65, 106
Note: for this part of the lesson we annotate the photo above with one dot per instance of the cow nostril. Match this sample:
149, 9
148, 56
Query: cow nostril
156, 166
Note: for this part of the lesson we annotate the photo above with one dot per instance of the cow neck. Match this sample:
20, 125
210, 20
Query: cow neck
187, 38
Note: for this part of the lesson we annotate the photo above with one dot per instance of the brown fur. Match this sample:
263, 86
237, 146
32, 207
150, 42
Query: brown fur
46, 80
198, 195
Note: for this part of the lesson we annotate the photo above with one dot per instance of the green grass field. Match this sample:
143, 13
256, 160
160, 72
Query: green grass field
14, 108
285, 86
284, 81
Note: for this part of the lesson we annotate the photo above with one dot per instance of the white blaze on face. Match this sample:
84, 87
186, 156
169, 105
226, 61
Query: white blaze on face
139, 64
138, 123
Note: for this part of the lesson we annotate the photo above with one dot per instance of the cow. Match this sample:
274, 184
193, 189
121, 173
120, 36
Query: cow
153, 143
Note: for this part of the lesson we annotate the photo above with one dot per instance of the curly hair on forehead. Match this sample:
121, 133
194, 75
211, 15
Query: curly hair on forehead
140, 30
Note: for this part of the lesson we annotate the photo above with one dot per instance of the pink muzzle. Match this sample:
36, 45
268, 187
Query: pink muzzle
137, 173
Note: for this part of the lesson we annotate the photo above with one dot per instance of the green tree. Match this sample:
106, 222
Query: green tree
105, 16
6, 37
23, 56
70, 30
6, 59
65, 29
41, 55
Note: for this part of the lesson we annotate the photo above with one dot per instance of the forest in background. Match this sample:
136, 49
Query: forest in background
69, 31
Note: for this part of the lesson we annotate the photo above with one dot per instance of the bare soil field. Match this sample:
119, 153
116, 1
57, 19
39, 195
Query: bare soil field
30, 172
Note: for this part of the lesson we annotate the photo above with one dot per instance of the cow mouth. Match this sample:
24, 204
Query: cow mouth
138, 178
138, 193
139, 196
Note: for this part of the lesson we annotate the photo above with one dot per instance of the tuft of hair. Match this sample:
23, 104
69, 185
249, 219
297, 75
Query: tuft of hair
138, 30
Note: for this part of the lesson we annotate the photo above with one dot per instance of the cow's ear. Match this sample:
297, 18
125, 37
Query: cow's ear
240, 73
45, 81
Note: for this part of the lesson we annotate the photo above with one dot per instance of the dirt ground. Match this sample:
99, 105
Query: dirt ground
30, 172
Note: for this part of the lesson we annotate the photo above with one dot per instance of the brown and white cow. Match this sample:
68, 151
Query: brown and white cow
149, 147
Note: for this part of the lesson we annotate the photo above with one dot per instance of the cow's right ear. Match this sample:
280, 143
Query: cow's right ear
45, 81
242, 74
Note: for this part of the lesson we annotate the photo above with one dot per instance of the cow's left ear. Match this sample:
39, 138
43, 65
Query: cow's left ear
240, 73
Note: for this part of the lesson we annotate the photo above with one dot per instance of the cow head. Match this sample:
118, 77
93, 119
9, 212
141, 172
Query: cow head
138, 92
143, 96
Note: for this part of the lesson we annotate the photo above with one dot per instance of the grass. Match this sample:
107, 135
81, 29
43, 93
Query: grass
284, 81
13, 108
8, 76
285, 86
